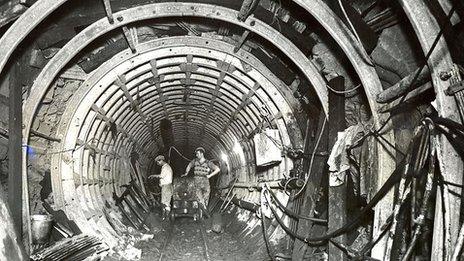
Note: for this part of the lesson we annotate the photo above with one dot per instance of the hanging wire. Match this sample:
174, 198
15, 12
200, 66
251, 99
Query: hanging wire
365, 56
345, 91
263, 200
60, 151
312, 160
416, 76
178, 152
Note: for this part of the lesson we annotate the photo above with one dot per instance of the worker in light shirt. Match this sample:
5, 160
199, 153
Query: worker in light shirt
166, 184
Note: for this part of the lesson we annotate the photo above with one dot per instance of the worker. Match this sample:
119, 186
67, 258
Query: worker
165, 182
203, 170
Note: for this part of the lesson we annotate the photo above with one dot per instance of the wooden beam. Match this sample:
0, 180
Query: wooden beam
337, 193
245, 101
416, 79
15, 183
397, 103
45, 136
74, 73
10, 11
130, 38
241, 41
247, 8
121, 82
157, 79
108, 10
311, 190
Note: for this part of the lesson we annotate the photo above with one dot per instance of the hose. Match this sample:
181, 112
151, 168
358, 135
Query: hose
394, 178
263, 225
292, 214
429, 187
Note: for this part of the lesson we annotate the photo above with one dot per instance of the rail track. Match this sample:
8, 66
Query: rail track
196, 232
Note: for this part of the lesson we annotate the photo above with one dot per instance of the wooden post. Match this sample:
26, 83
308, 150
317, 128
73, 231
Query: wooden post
337, 194
310, 197
15, 201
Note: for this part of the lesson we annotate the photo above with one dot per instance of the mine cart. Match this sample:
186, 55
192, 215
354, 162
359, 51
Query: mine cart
184, 202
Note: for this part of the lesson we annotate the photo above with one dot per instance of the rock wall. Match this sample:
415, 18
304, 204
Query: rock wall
10, 244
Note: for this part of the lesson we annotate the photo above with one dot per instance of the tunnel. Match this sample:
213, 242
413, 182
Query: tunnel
336, 127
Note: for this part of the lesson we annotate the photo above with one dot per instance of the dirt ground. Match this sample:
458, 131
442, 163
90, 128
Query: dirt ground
186, 243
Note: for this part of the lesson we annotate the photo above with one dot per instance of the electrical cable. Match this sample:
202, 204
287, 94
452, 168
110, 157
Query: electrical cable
364, 54
429, 187
381, 137
416, 76
394, 178
292, 214
311, 161
345, 91
178, 152
288, 182
263, 225
57, 152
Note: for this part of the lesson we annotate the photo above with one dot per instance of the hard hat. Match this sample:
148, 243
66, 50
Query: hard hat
200, 149
160, 157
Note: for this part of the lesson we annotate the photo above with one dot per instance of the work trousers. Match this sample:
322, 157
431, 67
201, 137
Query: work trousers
202, 190
166, 195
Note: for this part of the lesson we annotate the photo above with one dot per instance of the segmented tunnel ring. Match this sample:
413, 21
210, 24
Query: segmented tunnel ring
89, 100
140, 13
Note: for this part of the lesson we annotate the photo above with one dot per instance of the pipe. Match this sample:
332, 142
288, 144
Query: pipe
417, 78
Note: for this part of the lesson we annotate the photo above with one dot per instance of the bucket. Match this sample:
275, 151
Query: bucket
41, 226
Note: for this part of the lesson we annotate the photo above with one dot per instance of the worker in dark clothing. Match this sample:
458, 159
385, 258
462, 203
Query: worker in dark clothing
203, 170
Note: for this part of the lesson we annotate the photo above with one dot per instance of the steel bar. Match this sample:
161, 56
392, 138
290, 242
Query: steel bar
411, 96
241, 41
419, 77
129, 36
18, 195
108, 10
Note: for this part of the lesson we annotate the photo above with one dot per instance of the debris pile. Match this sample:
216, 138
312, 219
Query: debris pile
76, 248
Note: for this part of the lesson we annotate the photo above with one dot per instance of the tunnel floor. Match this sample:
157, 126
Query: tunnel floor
186, 239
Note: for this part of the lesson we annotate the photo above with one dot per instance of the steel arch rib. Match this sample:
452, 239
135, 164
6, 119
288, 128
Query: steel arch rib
372, 86
164, 10
125, 57
103, 26
427, 30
